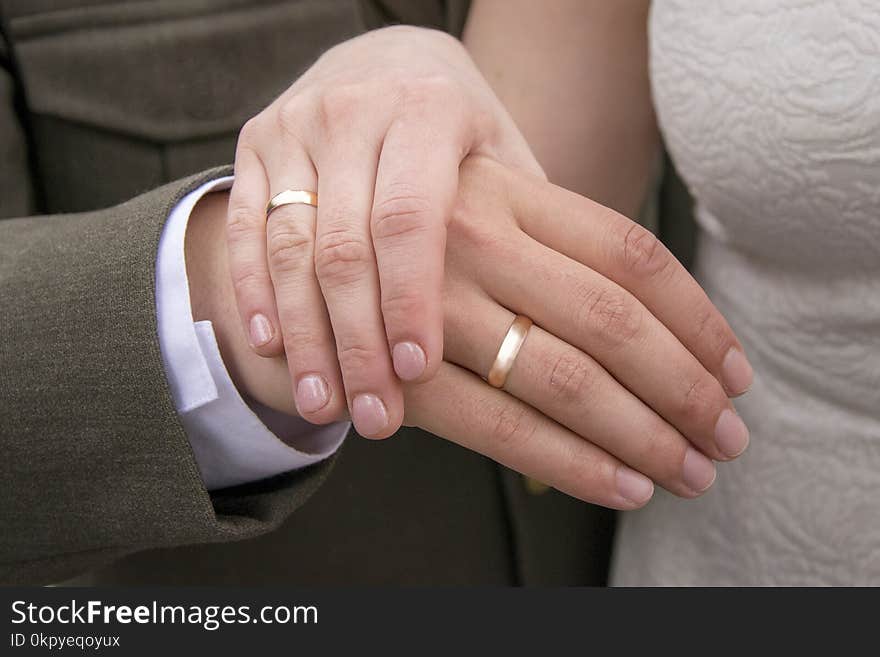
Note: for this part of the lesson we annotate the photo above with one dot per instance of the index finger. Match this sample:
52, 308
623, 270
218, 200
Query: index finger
631, 256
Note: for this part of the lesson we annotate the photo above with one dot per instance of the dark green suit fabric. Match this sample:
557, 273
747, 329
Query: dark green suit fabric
110, 112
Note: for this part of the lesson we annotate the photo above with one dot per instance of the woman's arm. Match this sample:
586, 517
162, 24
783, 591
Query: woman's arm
574, 75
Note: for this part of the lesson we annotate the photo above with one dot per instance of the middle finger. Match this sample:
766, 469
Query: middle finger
346, 268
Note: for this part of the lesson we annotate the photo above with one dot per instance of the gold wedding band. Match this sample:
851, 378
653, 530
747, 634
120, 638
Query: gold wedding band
292, 197
510, 346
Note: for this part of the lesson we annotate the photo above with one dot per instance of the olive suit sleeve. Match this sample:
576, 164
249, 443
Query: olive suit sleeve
95, 461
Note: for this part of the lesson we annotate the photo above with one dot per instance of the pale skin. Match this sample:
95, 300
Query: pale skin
606, 396
574, 76
362, 128
626, 376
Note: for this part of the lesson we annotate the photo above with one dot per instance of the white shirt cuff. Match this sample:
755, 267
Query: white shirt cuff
233, 443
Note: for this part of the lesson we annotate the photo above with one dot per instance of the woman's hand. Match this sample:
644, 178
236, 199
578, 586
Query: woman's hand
353, 292
625, 376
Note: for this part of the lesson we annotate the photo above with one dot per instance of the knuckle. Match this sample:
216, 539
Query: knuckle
512, 424
299, 339
642, 254
608, 314
240, 223
341, 257
288, 246
583, 474
572, 466
247, 278
663, 450
356, 358
402, 306
337, 105
291, 114
427, 90
481, 231
462, 226
401, 213
570, 380
480, 167
710, 331
247, 136
699, 398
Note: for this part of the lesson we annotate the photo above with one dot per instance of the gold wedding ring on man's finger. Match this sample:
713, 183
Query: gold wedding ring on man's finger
508, 351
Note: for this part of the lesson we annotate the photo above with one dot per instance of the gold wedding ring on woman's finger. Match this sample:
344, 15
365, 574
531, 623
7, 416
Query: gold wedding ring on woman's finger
510, 347
292, 197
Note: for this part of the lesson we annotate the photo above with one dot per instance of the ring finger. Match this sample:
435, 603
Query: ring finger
305, 326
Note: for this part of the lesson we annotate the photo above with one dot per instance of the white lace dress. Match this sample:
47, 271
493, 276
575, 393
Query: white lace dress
771, 111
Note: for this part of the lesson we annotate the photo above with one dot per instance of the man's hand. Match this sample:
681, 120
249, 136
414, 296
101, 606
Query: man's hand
620, 377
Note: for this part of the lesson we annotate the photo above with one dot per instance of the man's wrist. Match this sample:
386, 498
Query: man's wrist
265, 380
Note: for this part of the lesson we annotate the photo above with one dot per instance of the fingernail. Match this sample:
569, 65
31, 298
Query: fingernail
312, 393
736, 372
698, 472
633, 486
369, 415
409, 360
731, 434
260, 329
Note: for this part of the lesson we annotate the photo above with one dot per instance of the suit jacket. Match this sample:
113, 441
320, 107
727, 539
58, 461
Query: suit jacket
128, 106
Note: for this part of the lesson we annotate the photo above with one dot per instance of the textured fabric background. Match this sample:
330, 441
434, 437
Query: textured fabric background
771, 111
